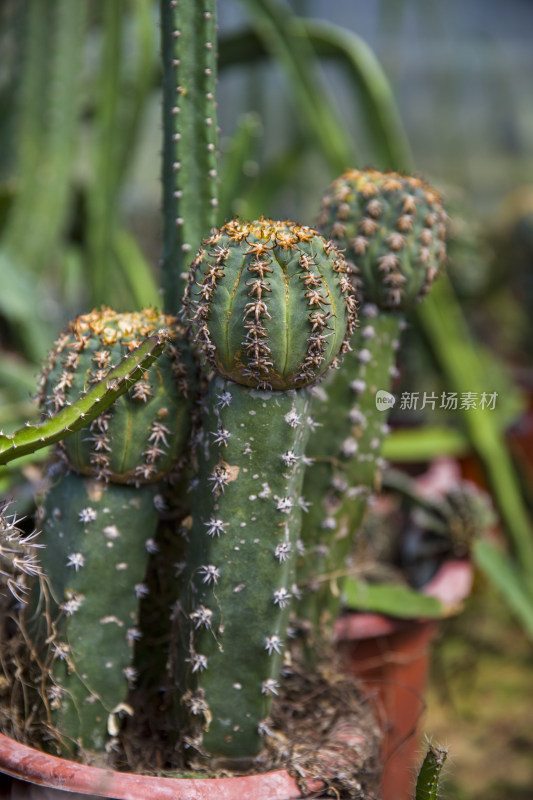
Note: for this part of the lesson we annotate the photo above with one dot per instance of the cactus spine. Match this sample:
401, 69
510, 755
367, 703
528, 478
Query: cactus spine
392, 230
260, 298
98, 530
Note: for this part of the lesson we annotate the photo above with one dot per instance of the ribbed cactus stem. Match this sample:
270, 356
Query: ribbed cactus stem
270, 309
345, 449
84, 622
188, 41
392, 229
240, 562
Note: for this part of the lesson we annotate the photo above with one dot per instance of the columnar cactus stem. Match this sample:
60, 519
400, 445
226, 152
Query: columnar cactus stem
346, 453
427, 784
392, 229
260, 299
99, 533
97, 536
240, 562
189, 135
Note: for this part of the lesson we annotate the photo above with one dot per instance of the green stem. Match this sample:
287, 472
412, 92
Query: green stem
285, 37
83, 619
346, 449
427, 784
239, 576
188, 31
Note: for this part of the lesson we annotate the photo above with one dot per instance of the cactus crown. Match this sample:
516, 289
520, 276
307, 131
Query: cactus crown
392, 228
270, 303
139, 438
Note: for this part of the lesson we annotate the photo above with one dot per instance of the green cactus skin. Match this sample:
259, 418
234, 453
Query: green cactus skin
391, 228
73, 417
345, 449
271, 304
140, 438
427, 784
270, 310
189, 135
83, 617
240, 562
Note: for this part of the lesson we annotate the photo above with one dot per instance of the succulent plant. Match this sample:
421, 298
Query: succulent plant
391, 228
97, 531
139, 439
270, 309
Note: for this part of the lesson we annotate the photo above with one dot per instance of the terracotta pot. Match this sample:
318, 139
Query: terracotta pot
391, 657
39, 776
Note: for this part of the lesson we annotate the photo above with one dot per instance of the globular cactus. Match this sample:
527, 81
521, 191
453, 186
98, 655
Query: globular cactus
274, 306
139, 439
271, 309
392, 229
98, 531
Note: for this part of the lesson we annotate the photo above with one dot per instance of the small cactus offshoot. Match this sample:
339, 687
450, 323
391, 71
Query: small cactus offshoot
271, 309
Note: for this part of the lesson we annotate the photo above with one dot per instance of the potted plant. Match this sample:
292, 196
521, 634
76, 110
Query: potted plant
411, 569
115, 517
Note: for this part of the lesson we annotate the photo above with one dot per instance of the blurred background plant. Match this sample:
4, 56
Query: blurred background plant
306, 89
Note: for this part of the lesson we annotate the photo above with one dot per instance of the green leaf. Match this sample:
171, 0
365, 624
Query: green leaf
504, 575
425, 444
284, 36
447, 331
372, 89
390, 599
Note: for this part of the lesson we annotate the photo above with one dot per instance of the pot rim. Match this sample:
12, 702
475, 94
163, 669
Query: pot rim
33, 766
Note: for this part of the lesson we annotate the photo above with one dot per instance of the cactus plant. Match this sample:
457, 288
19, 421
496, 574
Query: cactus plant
427, 782
392, 230
97, 399
259, 300
97, 530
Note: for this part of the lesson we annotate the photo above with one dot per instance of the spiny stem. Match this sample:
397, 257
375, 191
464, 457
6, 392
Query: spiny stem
427, 784
74, 417
97, 541
189, 135
346, 450
239, 576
